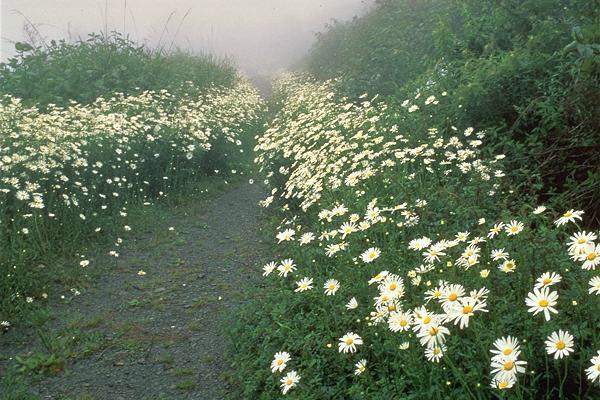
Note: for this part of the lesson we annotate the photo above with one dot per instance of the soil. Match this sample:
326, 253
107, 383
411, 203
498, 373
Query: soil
163, 334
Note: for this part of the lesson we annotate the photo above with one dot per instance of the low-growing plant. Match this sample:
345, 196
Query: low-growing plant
408, 266
70, 174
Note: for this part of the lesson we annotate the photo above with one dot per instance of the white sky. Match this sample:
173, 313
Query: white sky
262, 35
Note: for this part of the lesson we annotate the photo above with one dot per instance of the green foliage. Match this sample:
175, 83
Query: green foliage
14, 387
399, 173
70, 174
102, 66
526, 71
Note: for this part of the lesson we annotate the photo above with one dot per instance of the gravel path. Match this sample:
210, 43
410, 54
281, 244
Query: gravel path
163, 335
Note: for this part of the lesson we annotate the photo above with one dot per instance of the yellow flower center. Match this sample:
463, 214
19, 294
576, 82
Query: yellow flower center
349, 341
547, 281
427, 319
393, 286
560, 345
289, 382
452, 297
433, 331
502, 385
507, 351
279, 362
581, 241
467, 309
508, 365
543, 303
437, 350
403, 322
567, 214
392, 308
592, 256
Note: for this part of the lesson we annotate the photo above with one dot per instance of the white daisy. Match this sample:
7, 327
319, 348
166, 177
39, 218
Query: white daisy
331, 286
593, 372
560, 344
569, 216
542, 300
370, 254
348, 342
360, 366
304, 284
352, 304
594, 285
289, 381
280, 361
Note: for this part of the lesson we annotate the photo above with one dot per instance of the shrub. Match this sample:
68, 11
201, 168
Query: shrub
525, 71
102, 66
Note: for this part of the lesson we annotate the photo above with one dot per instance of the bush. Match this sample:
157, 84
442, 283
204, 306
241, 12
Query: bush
102, 66
525, 71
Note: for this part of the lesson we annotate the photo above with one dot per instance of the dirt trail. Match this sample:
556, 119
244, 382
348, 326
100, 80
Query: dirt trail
163, 335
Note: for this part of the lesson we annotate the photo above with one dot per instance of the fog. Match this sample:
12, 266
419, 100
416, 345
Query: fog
263, 36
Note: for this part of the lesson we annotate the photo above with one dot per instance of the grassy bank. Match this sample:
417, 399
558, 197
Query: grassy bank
406, 257
526, 72
71, 172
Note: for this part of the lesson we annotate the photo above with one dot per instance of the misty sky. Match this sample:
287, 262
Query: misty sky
263, 35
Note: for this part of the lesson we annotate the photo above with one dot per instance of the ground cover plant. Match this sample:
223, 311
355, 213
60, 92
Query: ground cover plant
408, 266
70, 173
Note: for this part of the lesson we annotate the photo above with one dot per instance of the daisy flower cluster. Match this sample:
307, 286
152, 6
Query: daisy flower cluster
279, 363
70, 174
407, 226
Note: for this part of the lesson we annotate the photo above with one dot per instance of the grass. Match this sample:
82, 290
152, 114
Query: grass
61, 338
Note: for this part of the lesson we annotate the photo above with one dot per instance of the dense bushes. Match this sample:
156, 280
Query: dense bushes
101, 66
409, 266
526, 71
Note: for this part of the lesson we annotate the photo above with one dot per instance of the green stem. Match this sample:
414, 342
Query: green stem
564, 378
459, 376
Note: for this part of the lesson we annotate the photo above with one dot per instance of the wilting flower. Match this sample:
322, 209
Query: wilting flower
360, 366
